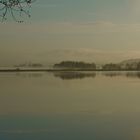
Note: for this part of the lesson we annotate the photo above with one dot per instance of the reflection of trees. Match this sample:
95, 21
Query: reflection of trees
112, 74
73, 75
29, 75
126, 74
81, 75
133, 74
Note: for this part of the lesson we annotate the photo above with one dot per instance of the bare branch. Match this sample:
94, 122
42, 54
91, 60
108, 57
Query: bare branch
13, 7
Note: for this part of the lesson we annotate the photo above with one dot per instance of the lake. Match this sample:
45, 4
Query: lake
70, 106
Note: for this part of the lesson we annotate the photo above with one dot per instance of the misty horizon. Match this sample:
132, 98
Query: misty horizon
69, 69
51, 63
106, 31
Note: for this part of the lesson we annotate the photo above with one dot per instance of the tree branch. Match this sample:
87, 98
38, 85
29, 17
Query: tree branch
13, 7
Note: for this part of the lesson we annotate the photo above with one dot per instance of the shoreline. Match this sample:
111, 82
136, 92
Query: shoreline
64, 70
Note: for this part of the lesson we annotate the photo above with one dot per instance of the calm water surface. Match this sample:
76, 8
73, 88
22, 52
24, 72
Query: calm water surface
70, 106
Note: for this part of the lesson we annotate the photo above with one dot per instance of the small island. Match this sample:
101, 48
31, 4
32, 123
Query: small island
127, 65
75, 65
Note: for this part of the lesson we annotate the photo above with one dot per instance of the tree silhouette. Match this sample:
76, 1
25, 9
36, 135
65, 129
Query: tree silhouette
75, 64
111, 67
14, 7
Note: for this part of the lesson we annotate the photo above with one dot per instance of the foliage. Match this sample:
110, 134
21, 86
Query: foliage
75, 64
111, 67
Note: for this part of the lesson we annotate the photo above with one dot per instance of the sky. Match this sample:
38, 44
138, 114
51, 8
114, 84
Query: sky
100, 31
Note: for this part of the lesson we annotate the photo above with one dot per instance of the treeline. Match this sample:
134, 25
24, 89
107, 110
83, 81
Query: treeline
93, 66
75, 64
127, 66
29, 65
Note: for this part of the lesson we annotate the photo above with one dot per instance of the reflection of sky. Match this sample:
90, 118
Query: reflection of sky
51, 108
91, 30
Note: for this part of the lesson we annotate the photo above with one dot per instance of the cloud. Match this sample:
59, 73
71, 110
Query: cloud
92, 27
99, 41
90, 55
58, 28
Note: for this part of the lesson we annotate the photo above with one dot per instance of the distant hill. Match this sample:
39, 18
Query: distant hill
130, 63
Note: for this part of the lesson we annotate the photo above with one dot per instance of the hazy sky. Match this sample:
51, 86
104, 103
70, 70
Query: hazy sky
90, 30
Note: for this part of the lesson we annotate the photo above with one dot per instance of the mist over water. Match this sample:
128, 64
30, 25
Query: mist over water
70, 105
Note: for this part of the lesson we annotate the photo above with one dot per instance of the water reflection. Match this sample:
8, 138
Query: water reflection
82, 75
123, 74
112, 74
65, 75
133, 75
105, 106
30, 74
74, 75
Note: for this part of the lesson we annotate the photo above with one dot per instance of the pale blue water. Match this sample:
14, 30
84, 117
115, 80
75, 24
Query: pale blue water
70, 106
